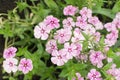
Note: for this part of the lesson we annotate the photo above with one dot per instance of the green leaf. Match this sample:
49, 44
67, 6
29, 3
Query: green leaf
107, 66
6, 31
116, 7
22, 5
28, 76
11, 78
70, 2
110, 53
104, 11
51, 4
79, 66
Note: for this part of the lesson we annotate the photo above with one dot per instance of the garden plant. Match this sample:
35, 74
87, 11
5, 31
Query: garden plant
61, 40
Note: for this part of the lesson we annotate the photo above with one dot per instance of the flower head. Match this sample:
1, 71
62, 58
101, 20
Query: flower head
25, 65
96, 58
51, 22
85, 12
111, 38
70, 10
71, 50
94, 75
78, 77
9, 52
68, 23
41, 31
59, 57
51, 46
63, 35
81, 22
10, 65
77, 35
110, 27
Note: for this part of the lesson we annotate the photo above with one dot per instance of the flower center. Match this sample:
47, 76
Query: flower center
94, 75
69, 50
96, 56
52, 22
62, 35
10, 64
10, 52
59, 57
42, 30
53, 47
25, 65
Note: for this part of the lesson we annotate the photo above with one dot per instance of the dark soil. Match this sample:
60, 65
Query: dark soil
5, 5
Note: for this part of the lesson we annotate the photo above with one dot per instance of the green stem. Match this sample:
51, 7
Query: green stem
6, 39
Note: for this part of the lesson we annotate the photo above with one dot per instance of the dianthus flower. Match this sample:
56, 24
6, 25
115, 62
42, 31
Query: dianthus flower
111, 38
9, 52
63, 35
96, 58
96, 22
25, 65
85, 12
68, 23
10, 65
77, 35
59, 57
71, 50
78, 77
94, 75
51, 46
96, 37
51, 22
89, 29
110, 27
81, 22
41, 31
70, 10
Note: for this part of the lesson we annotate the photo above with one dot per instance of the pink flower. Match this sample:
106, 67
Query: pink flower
9, 53
85, 12
10, 65
63, 35
94, 75
89, 29
71, 50
51, 46
78, 47
68, 23
96, 37
82, 57
59, 57
115, 72
96, 58
110, 27
116, 21
25, 65
99, 26
96, 22
77, 35
51, 22
111, 38
81, 22
117, 15
70, 10
93, 20
41, 31
109, 60
78, 77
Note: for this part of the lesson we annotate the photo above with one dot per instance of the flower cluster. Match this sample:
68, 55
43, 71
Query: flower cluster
115, 72
10, 64
67, 40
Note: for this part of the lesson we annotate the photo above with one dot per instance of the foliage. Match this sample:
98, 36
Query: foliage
17, 28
